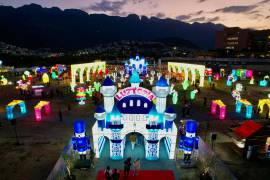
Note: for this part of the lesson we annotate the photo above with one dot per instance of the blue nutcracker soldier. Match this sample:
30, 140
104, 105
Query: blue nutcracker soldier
81, 142
189, 141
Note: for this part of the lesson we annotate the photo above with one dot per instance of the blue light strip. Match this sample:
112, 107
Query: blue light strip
101, 143
168, 145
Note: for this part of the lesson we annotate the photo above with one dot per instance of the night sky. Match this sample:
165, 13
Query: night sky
243, 13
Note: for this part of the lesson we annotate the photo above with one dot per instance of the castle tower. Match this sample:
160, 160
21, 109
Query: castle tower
100, 116
161, 90
135, 79
108, 89
169, 117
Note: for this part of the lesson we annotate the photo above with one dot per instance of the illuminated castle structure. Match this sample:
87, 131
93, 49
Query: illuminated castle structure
134, 111
138, 64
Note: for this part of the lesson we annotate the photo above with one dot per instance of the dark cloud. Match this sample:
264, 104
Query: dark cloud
197, 13
113, 7
160, 15
213, 19
201, 1
263, 2
236, 9
267, 17
199, 19
107, 6
182, 17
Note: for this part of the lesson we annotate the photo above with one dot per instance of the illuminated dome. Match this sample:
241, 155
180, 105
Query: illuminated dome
162, 82
108, 82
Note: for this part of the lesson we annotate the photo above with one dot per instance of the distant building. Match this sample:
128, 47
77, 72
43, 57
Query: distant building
260, 41
253, 42
235, 39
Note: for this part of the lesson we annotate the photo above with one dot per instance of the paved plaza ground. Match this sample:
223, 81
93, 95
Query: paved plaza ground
42, 142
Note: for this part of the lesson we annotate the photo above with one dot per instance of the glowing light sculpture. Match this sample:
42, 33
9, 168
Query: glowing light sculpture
136, 64
263, 83
261, 104
11, 105
189, 67
86, 68
38, 109
80, 96
81, 142
45, 78
175, 97
185, 84
222, 108
248, 106
193, 94
189, 141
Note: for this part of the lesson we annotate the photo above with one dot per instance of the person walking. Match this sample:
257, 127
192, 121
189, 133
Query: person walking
60, 115
108, 173
127, 165
115, 175
137, 166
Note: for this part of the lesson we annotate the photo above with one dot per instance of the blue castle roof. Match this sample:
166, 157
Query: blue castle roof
135, 78
99, 109
107, 82
162, 82
115, 111
170, 110
153, 111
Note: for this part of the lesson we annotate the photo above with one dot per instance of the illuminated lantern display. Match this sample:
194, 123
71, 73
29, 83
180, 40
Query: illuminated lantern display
217, 76
189, 141
251, 80
86, 68
11, 105
248, 107
37, 90
38, 109
3, 80
186, 68
97, 86
89, 91
80, 96
208, 71
136, 64
54, 75
135, 79
185, 84
261, 104
132, 110
45, 78
81, 142
231, 79
239, 87
263, 83
236, 95
193, 94
222, 72
249, 73
175, 97
222, 108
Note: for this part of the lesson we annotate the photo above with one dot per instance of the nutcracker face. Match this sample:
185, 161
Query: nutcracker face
190, 135
79, 135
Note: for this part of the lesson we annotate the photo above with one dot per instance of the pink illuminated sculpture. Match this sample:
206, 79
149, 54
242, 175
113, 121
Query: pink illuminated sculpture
222, 108
38, 109
249, 73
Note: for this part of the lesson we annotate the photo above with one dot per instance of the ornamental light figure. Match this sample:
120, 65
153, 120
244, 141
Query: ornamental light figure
189, 141
175, 97
80, 142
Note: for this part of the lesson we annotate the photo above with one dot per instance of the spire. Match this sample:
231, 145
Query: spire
108, 82
135, 78
162, 82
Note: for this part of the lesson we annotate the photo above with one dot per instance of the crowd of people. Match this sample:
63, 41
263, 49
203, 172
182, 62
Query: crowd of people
114, 174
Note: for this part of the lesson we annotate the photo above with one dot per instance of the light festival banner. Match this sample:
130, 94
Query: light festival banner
135, 91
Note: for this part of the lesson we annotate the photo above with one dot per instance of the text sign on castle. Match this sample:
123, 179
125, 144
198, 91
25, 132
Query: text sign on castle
135, 91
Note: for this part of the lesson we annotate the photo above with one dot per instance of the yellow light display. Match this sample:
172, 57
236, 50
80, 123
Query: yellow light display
45, 78
263, 102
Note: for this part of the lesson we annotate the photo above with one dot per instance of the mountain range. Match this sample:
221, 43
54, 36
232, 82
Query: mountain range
33, 26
